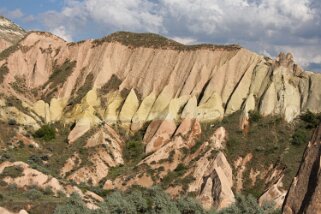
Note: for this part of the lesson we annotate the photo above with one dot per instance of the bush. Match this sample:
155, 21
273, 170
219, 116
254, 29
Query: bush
46, 132
189, 206
133, 150
299, 137
33, 194
12, 122
313, 120
74, 206
12, 171
247, 205
254, 116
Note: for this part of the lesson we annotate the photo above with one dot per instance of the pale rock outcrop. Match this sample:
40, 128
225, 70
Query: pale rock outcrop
107, 153
210, 110
213, 181
275, 195
42, 109
31, 177
219, 138
269, 101
190, 108
304, 195
115, 101
161, 136
128, 110
143, 111
56, 108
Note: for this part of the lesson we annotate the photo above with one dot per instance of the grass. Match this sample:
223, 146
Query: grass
270, 142
150, 40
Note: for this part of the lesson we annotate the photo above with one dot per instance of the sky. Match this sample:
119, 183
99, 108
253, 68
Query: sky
264, 26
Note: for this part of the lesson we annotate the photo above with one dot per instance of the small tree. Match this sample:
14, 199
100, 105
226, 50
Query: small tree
46, 132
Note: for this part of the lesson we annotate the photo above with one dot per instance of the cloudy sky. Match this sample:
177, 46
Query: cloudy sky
264, 26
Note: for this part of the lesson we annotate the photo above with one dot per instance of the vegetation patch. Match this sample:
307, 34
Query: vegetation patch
58, 77
151, 40
271, 141
112, 85
83, 90
12, 171
3, 72
46, 132
7, 52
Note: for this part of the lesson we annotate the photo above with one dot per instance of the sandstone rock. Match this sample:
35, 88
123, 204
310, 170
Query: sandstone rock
304, 195
128, 110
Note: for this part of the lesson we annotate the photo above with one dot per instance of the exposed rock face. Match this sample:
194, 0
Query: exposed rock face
304, 195
109, 80
10, 33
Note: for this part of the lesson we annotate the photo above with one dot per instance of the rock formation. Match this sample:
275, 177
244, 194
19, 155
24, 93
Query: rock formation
167, 102
304, 195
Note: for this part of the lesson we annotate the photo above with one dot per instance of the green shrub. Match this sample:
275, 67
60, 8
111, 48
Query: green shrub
12, 171
189, 206
46, 132
254, 116
299, 137
247, 205
313, 120
74, 205
33, 194
133, 150
12, 122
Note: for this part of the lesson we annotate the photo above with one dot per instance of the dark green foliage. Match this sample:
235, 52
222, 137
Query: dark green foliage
150, 40
12, 171
74, 206
254, 116
33, 194
134, 200
299, 137
313, 120
3, 72
133, 150
12, 122
46, 132
189, 206
247, 205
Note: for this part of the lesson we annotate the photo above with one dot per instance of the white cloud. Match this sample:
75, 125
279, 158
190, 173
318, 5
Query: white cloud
184, 40
261, 25
61, 32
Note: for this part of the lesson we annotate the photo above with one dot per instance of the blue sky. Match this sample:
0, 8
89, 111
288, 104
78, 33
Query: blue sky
265, 26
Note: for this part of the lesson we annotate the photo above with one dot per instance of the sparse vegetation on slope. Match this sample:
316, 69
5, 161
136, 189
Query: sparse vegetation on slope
150, 40
3, 72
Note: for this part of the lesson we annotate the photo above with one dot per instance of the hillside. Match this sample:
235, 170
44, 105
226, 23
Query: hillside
10, 33
204, 121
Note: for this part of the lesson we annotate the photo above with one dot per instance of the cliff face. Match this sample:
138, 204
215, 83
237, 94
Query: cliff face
304, 195
132, 83
140, 109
